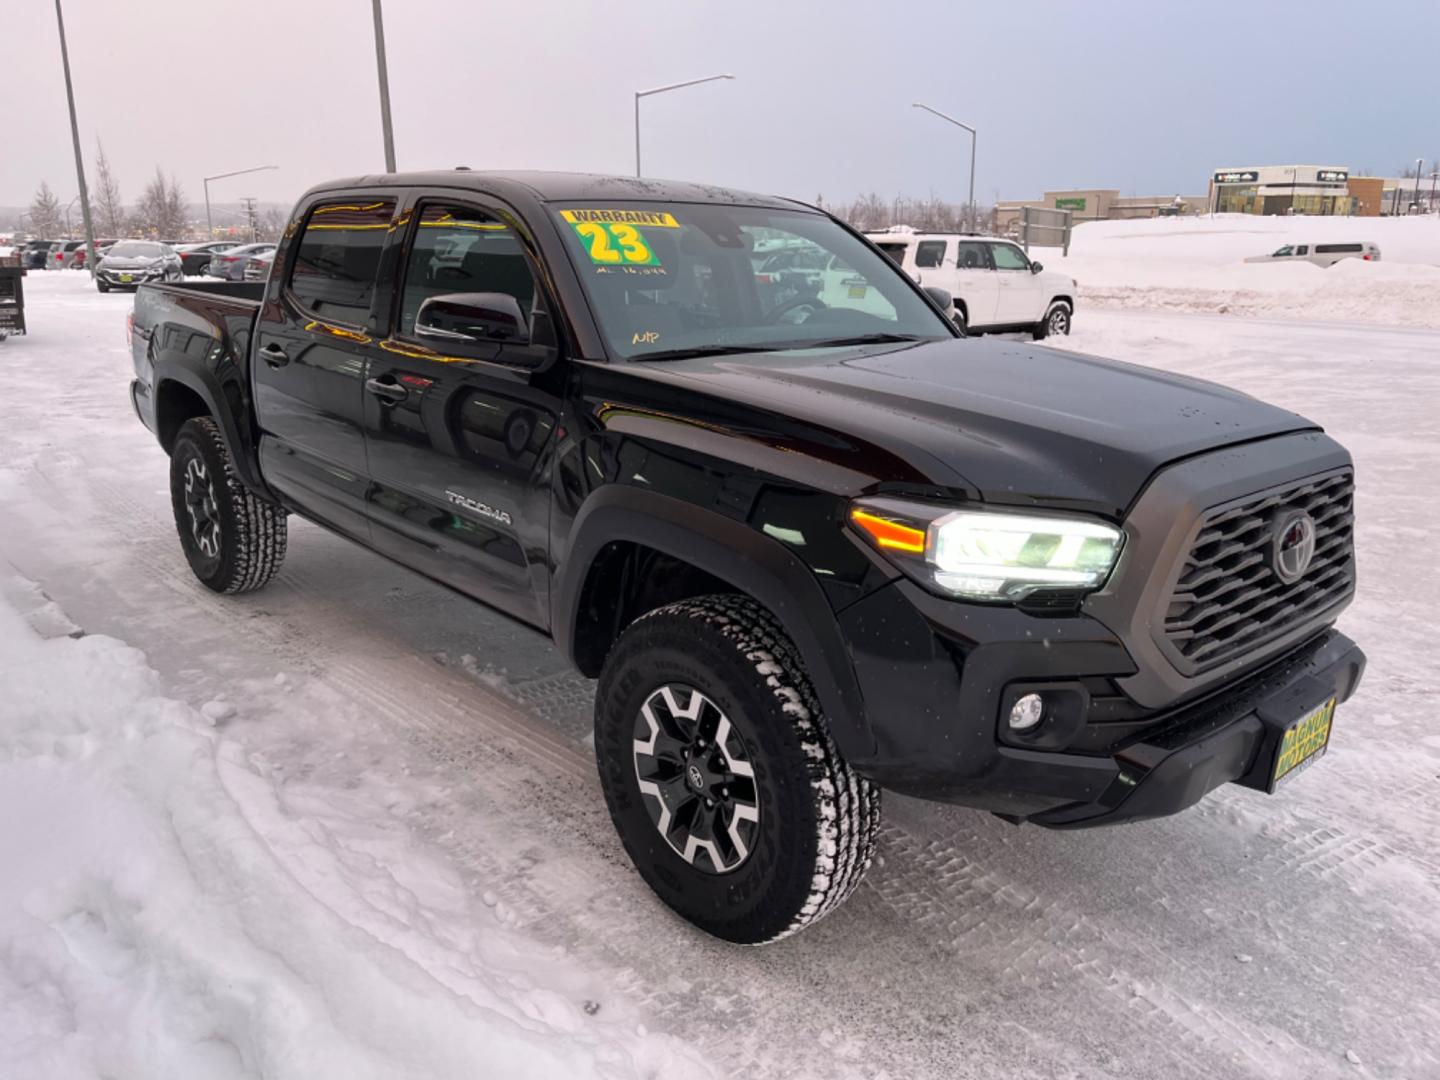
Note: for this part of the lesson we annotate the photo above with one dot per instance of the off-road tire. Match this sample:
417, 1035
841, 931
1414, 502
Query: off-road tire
250, 544
1056, 321
817, 819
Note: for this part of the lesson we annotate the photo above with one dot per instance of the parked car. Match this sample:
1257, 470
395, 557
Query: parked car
257, 267
230, 265
806, 557
995, 285
62, 254
195, 258
37, 254
130, 262
1325, 255
81, 256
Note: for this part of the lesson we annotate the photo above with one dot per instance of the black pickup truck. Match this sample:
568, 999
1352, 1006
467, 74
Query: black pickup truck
810, 541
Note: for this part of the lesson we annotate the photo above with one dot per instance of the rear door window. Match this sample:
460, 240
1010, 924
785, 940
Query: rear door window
895, 251
930, 253
973, 255
333, 271
1336, 249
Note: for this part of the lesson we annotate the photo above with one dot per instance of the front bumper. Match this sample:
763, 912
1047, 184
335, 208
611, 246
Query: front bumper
934, 675
115, 278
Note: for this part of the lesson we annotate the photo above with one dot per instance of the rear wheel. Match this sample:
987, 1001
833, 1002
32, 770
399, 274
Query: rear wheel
1056, 322
233, 541
721, 777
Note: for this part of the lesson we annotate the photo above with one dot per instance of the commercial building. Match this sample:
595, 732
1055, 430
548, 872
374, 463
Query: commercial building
1281, 189
1099, 204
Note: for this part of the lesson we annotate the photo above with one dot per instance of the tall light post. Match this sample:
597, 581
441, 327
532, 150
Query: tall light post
660, 90
960, 123
1433, 177
75, 137
210, 228
384, 73
69, 231
1419, 172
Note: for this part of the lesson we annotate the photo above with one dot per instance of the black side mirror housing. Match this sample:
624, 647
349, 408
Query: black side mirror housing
940, 296
1036, 267
472, 319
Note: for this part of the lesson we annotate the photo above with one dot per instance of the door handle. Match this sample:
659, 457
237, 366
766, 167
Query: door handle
389, 393
274, 355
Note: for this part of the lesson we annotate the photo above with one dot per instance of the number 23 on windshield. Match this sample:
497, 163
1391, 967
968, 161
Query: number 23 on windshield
616, 244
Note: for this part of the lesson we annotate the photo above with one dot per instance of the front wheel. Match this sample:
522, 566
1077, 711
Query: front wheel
1056, 322
233, 541
721, 776
102, 286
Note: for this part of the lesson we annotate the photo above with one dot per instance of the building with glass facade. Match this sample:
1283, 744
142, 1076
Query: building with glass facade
1281, 189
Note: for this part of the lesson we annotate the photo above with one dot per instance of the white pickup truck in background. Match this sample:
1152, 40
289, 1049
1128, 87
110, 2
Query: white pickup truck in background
995, 285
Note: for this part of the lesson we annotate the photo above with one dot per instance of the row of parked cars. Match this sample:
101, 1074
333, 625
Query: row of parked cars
128, 263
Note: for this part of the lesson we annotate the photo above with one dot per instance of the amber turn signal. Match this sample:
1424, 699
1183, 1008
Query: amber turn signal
889, 534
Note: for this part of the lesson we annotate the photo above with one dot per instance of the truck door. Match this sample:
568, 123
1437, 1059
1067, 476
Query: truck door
460, 434
976, 283
309, 356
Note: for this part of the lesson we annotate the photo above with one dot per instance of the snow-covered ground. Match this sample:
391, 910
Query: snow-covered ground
1198, 264
349, 826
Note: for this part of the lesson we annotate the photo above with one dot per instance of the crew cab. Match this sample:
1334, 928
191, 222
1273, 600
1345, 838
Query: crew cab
811, 547
996, 287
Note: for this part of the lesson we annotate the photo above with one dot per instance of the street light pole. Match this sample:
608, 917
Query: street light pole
384, 73
660, 90
1419, 169
209, 227
75, 137
974, 223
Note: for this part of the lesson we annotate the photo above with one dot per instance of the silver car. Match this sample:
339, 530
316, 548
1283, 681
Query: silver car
230, 265
257, 267
130, 262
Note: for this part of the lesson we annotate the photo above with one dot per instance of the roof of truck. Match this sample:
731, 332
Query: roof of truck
563, 187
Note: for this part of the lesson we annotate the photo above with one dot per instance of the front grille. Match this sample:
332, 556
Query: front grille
1229, 598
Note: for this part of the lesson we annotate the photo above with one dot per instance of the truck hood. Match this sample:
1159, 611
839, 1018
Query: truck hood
1012, 422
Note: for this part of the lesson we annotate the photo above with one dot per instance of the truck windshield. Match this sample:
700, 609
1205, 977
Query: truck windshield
666, 280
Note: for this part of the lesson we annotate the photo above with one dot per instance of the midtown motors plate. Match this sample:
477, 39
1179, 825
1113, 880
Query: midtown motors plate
1303, 744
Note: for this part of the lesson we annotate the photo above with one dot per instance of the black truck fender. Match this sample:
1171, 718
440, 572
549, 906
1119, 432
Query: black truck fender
726, 549
176, 390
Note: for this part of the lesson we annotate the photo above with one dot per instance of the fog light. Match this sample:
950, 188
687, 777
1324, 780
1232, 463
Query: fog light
1028, 710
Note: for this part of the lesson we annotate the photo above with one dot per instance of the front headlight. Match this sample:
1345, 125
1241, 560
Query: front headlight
993, 555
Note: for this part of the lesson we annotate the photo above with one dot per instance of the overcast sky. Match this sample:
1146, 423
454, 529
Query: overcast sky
1142, 96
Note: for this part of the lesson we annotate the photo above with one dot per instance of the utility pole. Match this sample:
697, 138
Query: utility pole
84, 196
384, 88
250, 216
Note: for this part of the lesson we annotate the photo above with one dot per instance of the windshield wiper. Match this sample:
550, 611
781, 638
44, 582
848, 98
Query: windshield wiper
860, 339
704, 350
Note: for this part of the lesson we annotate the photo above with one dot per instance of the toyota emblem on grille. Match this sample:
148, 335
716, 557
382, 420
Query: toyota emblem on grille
1294, 546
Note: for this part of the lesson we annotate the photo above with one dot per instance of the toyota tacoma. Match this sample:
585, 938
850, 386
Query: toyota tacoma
809, 548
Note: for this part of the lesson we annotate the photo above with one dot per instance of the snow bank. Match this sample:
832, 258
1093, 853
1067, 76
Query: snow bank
170, 908
1197, 264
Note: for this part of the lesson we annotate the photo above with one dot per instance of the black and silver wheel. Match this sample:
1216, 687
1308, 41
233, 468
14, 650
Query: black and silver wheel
721, 776
1056, 322
233, 541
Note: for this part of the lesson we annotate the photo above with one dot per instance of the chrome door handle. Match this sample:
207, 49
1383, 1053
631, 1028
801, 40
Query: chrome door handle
389, 393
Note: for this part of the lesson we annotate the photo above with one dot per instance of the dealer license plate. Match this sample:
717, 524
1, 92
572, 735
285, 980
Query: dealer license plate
1303, 744
127, 277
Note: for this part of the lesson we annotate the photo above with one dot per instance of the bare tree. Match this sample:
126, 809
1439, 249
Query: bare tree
270, 225
109, 208
161, 212
47, 217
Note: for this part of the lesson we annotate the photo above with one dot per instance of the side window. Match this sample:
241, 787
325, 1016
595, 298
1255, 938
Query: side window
458, 249
1303, 249
1009, 257
973, 256
895, 251
333, 271
930, 253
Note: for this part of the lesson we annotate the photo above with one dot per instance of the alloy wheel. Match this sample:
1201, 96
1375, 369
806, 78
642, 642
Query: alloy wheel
201, 506
696, 778
1059, 322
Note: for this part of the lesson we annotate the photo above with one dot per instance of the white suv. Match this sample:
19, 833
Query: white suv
995, 285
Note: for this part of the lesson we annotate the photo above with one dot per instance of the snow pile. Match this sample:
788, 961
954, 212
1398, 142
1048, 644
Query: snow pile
170, 908
1198, 264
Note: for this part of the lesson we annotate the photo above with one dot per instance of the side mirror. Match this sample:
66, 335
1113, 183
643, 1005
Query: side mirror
1036, 267
473, 319
940, 296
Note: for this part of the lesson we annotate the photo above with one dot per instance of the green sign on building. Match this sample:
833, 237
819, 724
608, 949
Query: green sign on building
1070, 204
